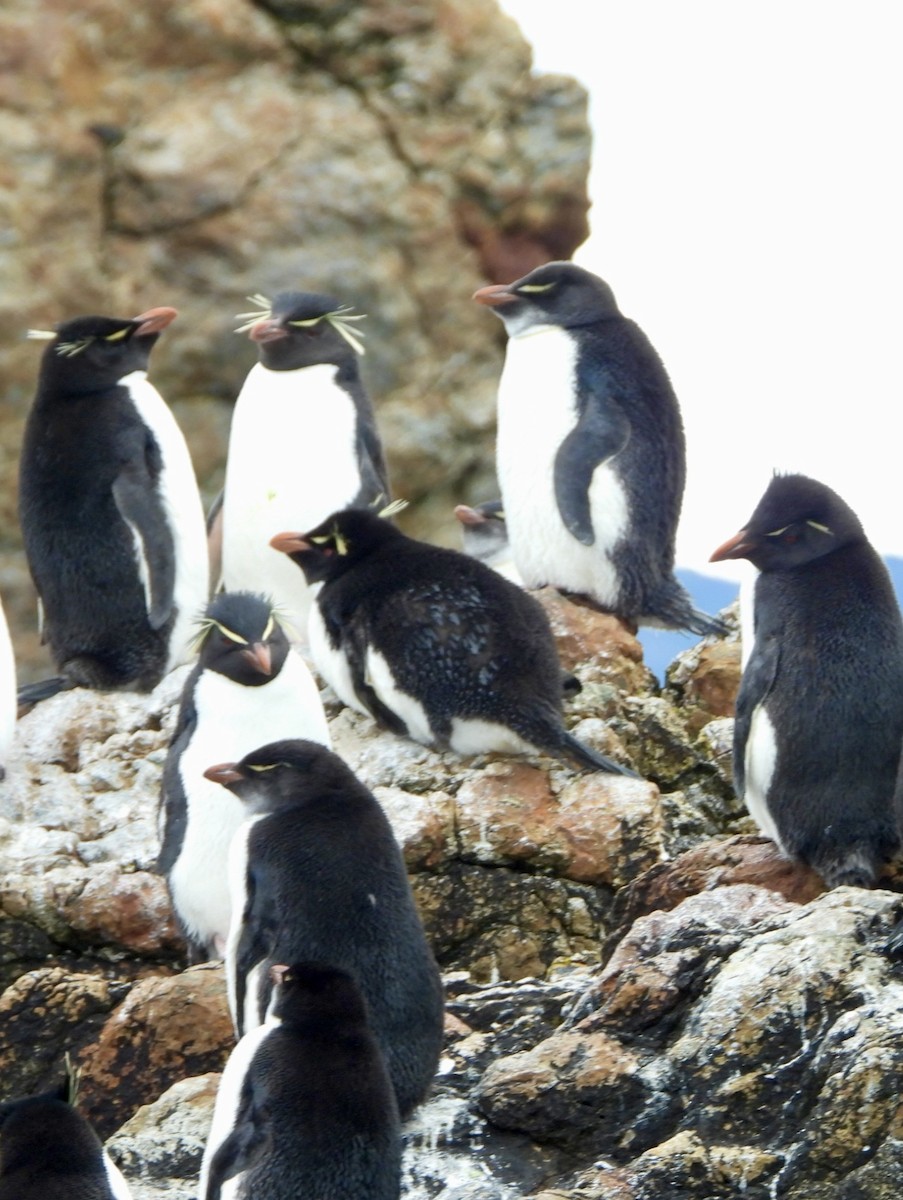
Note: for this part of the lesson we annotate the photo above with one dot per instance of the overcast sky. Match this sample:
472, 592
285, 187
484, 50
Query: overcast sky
747, 201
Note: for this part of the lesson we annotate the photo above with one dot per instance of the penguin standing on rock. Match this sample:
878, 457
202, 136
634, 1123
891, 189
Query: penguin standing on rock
110, 511
590, 451
316, 874
248, 687
48, 1151
303, 441
433, 644
819, 722
305, 1106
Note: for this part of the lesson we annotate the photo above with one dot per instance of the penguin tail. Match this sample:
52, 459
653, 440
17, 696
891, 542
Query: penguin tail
33, 693
853, 866
671, 608
583, 756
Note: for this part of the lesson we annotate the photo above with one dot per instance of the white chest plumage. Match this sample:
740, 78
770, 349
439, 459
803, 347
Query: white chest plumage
232, 721
536, 412
761, 757
228, 1098
181, 501
292, 461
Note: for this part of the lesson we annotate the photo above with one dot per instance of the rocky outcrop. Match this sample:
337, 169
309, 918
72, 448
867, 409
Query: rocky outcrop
192, 154
642, 995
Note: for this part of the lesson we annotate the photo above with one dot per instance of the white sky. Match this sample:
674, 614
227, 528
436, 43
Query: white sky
747, 192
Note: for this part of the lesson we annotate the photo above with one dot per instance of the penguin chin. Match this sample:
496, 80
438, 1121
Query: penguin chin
524, 324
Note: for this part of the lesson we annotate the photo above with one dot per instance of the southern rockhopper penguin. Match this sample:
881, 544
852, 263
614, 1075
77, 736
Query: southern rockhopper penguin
433, 644
303, 441
247, 688
819, 720
590, 451
110, 511
305, 1106
316, 873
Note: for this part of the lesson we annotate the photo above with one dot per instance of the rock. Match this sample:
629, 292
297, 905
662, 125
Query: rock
224, 148
167, 1028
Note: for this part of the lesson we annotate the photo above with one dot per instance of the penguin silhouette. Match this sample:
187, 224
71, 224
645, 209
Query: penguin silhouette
316, 874
303, 441
819, 722
590, 451
111, 516
433, 644
247, 687
48, 1151
305, 1106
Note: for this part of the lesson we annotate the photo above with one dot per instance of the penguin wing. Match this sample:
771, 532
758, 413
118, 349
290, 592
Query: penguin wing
759, 677
174, 804
258, 926
249, 1139
356, 639
138, 502
602, 430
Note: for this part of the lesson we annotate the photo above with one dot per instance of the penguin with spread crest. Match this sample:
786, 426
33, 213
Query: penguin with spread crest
590, 451
305, 1106
316, 874
111, 515
248, 687
433, 644
303, 440
48, 1151
819, 720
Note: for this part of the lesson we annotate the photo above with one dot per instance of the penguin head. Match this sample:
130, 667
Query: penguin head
337, 544
39, 1128
557, 294
282, 774
797, 521
315, 989
484, 531
89, 354
241, 637
303, 329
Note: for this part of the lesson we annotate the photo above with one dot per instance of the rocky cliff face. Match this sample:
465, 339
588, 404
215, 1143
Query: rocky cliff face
643, 998
396, 155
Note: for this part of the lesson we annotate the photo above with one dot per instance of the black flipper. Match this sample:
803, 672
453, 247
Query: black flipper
248, 1141
599, 434
583, 756
759, 676
138, 503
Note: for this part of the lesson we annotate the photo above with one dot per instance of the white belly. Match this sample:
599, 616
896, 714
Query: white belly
331, 663
535, 414
292, 461
405, 706
232, 721
760, 760
181, 501
228, 1097
237, 870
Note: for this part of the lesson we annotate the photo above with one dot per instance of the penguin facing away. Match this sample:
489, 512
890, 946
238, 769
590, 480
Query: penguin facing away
316, 874
433, 644
590, 450
110, 511
819, 720
247, 688
48, 1151
303, 440
305, 1105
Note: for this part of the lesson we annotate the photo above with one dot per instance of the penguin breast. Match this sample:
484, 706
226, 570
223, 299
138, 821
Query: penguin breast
537, 409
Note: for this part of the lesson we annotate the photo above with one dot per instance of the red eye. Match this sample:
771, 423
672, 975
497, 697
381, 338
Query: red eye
790, 538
